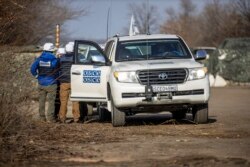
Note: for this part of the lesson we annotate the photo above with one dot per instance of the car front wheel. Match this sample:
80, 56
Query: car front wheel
200, 114
118, 117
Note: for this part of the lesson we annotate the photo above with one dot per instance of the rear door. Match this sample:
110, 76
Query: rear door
89, 73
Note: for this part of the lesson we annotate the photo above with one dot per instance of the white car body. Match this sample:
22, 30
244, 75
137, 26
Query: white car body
98, 83
121, 88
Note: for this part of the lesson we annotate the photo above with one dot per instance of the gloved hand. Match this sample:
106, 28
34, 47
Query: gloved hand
36, 76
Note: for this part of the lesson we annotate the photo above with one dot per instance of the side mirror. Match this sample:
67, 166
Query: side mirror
98, 59
200, 55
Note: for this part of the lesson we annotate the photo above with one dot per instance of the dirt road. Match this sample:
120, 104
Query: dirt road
224, 141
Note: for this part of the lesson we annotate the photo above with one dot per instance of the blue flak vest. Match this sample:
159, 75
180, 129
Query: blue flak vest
45, 68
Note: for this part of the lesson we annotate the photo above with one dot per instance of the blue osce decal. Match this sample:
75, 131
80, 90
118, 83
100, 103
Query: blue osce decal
91, 76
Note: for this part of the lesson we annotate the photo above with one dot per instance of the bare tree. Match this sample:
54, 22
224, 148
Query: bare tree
220, 21
243, 7
145, 16
212, 23
188, 8
216, 22
28, 21
182, 23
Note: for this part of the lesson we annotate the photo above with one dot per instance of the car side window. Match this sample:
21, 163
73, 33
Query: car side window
86, 52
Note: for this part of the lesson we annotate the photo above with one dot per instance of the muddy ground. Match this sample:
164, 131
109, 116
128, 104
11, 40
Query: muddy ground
224, 141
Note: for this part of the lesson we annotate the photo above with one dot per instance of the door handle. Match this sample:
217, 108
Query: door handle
76, 73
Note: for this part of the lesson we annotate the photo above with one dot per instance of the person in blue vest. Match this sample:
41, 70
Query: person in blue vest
66, 62
45, 69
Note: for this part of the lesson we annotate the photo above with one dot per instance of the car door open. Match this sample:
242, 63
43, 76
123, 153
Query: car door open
89, 73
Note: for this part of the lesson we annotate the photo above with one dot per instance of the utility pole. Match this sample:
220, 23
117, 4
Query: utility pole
57, 36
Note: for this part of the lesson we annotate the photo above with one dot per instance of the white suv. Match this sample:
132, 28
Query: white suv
139, 74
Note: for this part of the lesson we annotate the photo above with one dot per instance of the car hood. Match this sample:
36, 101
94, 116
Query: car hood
156, 64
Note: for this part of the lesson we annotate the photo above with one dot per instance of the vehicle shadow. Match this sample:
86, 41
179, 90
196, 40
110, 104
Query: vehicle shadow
150, 119
212, 119
160, 119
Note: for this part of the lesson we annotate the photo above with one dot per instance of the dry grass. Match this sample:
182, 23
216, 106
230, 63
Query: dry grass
12, 120
16, 92
16, 84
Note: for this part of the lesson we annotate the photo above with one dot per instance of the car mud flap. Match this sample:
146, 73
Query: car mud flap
109, 105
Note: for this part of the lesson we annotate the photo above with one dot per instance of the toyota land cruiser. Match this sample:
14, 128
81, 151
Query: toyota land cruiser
139, 74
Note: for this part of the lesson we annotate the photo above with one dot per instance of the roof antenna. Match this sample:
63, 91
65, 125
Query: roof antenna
148, 87
108, 20
147, 15
108, 24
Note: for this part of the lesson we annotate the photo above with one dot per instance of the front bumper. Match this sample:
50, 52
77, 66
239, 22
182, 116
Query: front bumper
133, 95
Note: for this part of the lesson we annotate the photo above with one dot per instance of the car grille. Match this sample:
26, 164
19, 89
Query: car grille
163, 76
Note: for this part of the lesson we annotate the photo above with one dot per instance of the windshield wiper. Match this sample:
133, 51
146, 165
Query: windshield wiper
132, 59
142, 58
164, 57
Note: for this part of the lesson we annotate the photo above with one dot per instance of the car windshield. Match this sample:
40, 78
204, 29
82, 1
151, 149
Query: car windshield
151, 49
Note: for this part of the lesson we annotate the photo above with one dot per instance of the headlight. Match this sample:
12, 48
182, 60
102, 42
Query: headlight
129, 77
197, 73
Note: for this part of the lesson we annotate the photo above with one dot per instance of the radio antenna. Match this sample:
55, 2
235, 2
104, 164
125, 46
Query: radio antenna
108, 23
148, 88
147, 17
108, 15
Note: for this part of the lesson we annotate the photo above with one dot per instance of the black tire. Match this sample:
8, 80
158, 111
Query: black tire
201, 114
104, 114
83, 110
117, 117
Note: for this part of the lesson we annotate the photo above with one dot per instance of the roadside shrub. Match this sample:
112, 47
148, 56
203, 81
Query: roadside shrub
236, 69
232, 60
12, 120
16, 90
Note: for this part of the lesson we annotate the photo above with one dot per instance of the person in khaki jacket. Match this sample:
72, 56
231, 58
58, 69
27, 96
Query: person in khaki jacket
66, 61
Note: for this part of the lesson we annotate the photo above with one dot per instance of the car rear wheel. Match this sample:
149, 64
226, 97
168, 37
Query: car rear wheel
118, 117
200, 114
83, 110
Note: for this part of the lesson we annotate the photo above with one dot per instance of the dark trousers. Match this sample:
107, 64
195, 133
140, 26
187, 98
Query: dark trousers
50, 93
57, 103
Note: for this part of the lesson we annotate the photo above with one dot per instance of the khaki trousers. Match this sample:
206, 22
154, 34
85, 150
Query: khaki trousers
64, 96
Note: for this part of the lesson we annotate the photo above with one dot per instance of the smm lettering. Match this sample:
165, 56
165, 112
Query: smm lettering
92, 73
91, 79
